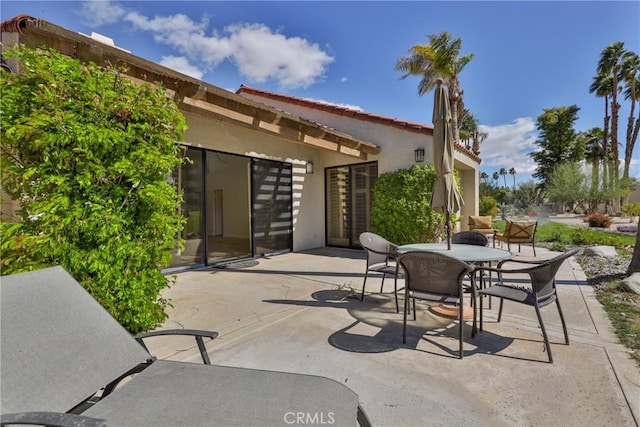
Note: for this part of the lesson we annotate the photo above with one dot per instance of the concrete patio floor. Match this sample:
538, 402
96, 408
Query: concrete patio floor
301, 312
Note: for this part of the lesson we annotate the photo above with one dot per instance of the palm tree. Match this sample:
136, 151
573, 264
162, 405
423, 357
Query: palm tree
484, 176
496, 177
594, 151
602, 86
439, 59
469, 132
610, 64
503, 173
631, 76
512, 172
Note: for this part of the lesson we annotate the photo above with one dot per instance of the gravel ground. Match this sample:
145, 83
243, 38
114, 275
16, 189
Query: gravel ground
600, 269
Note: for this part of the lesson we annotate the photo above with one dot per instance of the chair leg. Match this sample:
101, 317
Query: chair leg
382, 284
564, 325
500, 311
460, 326
481, 314
534, 248
395, 292
474, 328
544, 333
414, 309
364, 284
404, 319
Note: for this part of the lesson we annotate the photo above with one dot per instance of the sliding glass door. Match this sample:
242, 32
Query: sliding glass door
271, 199
349, 196
234, 207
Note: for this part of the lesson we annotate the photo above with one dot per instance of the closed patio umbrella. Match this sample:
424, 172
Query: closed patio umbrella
445, 197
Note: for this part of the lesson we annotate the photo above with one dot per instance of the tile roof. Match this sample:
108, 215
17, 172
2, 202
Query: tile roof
353, 113
191, 94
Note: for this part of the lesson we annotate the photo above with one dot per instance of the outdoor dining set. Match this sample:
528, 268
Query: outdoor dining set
443, 273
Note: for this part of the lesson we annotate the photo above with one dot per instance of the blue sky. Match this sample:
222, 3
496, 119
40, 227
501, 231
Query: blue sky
528, 55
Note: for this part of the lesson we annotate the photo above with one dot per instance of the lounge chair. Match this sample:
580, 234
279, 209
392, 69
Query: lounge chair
65, 357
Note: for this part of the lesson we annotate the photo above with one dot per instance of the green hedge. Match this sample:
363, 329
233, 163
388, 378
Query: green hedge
401, 209
87, 153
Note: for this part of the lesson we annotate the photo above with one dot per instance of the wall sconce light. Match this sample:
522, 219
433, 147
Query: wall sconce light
419, 154
309, 167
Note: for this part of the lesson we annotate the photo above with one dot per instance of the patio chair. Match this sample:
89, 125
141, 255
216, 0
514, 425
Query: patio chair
470, 238
381, 258
64, 356
481, 224
435, 277
517, 232
475, 238
542, 290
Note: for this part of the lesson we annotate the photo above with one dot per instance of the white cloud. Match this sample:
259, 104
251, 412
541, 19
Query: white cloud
182, 65
343, 80
259, 53
509, 145
98, 13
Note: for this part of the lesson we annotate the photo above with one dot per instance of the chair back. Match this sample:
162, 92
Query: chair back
480, 222
543, 276
377, 247
58, 346
470, 238
522, 230
433, 272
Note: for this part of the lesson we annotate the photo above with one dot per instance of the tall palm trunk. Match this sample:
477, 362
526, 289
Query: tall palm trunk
454, 99
634, 265
632, 132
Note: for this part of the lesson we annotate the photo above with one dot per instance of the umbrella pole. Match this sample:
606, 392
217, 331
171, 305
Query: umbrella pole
447, 227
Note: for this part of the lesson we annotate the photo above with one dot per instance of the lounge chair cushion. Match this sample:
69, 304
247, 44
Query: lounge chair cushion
171, 394
53, 355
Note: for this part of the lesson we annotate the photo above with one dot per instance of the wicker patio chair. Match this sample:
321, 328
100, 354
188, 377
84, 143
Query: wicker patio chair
434, 277
542, 290
478, 239
381, 258
470, 238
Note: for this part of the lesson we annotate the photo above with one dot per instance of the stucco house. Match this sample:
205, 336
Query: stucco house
270, 173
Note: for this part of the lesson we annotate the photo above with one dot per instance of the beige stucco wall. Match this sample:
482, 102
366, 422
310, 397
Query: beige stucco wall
397, 146
308, 189
8, 208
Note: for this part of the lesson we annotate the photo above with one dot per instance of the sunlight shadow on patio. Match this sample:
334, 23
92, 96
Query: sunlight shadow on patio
378, 327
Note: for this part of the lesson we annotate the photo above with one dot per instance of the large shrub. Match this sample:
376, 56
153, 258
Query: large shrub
87, 153
599, 220
401, 209
488, 206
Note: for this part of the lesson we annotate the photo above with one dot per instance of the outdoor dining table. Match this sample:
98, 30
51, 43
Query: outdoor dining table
466, 253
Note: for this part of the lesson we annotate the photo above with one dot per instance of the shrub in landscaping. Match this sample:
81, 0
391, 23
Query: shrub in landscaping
599, 220
88, 153
627, 228
401, 210
631, 210
488, 206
